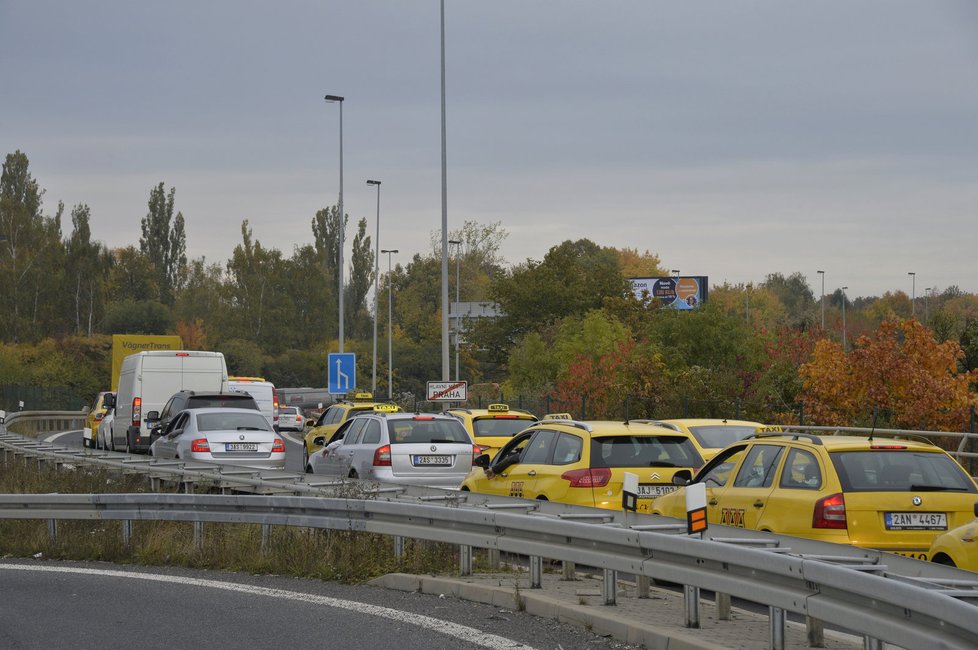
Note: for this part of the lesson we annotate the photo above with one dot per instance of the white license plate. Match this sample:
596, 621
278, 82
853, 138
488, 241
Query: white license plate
646, 491
241, 446
916, 520
432, 460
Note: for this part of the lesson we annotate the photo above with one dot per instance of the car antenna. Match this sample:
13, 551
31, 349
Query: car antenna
876, 412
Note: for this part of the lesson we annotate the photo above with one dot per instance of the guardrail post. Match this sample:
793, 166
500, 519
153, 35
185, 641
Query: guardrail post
465, 560
816, 632
398, 546
127, 533
536, 572
53, 530
869, 643
266, 537
610, 588
642, 586
492, 557
776, 622
691, 598
198, 535
723, 606
569, 570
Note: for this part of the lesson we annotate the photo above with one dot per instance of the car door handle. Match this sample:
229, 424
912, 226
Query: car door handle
713, 502
758, 504
531, 473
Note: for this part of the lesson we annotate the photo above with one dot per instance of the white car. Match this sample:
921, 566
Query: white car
227, 436
290, 418
103, 434
430, 449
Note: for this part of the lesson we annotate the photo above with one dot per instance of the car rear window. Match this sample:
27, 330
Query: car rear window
222, 401
287, 410
231, 422
492, 426
644, 451
897, 470
417, 430
721, 435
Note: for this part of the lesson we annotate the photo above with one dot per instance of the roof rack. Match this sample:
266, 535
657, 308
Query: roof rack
895, 435
571, 423
812, 438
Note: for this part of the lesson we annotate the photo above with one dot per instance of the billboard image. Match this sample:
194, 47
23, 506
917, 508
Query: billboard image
675, 292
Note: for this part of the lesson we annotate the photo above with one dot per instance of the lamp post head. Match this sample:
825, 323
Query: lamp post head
911, 273
390, 251
844, 288
369, 182
674, 271
455, 241
333, 98
820, 272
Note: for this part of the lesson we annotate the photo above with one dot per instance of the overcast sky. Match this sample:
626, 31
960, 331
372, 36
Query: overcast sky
732, 139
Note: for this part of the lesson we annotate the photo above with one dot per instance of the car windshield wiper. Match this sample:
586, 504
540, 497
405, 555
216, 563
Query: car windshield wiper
937, 488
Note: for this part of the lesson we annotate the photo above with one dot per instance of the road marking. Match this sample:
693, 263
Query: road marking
461, 632
58, 435
288, 437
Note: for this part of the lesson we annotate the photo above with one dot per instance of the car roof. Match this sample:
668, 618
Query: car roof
595, 428
222, 411
699, 422
852, 443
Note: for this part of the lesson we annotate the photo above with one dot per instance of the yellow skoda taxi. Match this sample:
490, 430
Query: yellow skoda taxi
493, 427
337, 414
584, 463
888, 493
958, 547
92, 420
711, 435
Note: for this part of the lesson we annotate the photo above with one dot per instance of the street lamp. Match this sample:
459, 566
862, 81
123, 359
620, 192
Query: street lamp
913, 292
390, 328
675, 272
445, 371
926, 309
376, 280
339, 266
844, 318
822, 273
458, 275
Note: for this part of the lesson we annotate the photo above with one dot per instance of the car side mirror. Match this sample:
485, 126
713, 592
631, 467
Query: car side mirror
153, 416
108, 401
680, 479
481, 461
310, 422
319, 441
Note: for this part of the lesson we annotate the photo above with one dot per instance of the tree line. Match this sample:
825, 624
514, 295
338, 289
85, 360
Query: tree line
571, 331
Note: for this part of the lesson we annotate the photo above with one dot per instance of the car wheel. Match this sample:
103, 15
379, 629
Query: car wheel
353, 474
111, 441
305, 459
128, 444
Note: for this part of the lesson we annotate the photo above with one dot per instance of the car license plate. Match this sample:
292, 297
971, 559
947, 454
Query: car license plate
646, 491
241, 446
916, 520
432, 460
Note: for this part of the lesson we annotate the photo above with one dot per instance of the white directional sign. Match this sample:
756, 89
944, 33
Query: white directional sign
447, 391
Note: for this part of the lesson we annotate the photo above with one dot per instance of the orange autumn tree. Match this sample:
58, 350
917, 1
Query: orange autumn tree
901, 368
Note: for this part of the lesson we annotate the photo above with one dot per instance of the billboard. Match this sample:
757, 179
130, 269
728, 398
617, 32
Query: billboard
125, 344
675, 292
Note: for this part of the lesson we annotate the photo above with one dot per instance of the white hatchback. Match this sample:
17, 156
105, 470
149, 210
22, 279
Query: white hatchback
428, 449
226, 436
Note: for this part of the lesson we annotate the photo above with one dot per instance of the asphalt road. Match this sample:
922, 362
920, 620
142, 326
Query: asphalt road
99, 605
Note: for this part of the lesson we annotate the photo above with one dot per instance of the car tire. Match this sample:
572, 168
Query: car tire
353, 474
111, 441
305, 459
128, 443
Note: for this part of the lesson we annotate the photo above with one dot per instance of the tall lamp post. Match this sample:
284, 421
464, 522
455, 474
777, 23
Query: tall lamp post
376, 280
844, 318
913, 292
339, 265
445, 371
390, 327
458, 275
926, 308
822, 273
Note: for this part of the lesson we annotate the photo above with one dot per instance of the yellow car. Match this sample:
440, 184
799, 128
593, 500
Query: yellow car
584, 463
958, 547
710, 435
493, 427
888, 493
337, 414
90, 432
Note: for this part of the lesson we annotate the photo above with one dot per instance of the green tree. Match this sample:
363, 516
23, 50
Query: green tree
88, 266
131, 276
137, 317
796, 296
164, 242
360, 282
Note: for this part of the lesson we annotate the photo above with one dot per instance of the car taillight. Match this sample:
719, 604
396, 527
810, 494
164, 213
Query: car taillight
200, 444
274, 398
278, 447
477, 451
830, 512
137, 410
382, 457
586, 478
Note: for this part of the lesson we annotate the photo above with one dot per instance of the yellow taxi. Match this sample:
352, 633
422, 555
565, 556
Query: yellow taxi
338, 413
958, 547
92, 420
493, 427
892, 493
584, 463
712, 435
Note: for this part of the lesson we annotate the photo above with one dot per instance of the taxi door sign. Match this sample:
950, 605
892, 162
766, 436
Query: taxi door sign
696, 508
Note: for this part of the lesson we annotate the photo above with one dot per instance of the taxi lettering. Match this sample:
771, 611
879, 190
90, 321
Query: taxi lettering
732, 517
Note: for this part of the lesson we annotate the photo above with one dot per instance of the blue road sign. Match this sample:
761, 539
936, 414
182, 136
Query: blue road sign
342, 369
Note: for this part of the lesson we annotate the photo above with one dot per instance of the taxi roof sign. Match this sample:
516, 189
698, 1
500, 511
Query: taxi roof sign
360, 395
498, 407
386, 408
558, 416
769, 429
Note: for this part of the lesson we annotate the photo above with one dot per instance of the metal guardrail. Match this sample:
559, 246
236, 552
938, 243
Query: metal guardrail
33, 423
907, 613
530, 534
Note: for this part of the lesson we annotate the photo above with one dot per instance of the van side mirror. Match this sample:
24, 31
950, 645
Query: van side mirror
153, 416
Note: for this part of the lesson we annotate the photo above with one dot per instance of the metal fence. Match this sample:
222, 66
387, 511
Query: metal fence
35, 398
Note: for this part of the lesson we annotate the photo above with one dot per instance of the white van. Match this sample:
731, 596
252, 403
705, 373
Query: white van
149, 379
264, 393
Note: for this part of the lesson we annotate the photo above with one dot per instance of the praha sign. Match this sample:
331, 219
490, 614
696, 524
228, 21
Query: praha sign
447, 391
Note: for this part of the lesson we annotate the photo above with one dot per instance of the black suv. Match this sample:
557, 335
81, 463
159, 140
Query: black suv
191, 399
